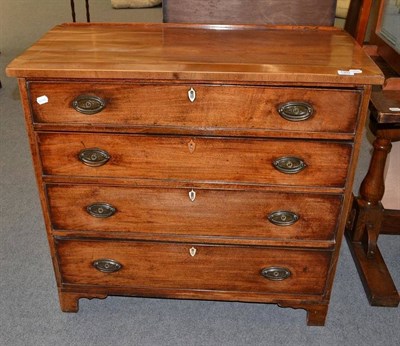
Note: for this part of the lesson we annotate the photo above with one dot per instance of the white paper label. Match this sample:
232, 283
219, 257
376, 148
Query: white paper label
345, 73
42, 99
394, 109
355, 70
350, 72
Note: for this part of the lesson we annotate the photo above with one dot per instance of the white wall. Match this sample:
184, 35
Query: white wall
391, 199
22, 22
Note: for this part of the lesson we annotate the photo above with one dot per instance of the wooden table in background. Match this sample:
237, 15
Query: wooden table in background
369, 218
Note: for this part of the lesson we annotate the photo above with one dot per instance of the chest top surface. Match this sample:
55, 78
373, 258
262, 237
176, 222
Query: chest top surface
197, 52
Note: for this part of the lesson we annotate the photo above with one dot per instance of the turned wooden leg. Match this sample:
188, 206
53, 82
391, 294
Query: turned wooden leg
69, 301
371, 193
365, 225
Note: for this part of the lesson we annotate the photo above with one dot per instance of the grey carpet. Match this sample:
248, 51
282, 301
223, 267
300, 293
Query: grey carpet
29, 311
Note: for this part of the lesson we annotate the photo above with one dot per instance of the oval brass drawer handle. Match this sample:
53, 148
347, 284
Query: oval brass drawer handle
276, 273
283, 218
88, 104
101, 210
296, 111
94, 157
289, 164
107, 265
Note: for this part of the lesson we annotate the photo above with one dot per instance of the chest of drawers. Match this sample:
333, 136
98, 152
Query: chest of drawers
197, 162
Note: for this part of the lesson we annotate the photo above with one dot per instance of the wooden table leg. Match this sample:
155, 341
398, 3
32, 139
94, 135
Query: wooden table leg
73, 11
87, 11
365, 223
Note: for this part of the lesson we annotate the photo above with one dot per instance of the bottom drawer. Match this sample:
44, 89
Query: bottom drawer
193, 266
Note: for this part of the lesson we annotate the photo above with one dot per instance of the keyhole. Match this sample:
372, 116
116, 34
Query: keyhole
192, 195
192, 95
192, 251
191, 146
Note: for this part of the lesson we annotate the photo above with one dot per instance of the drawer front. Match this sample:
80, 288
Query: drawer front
187, 266
196, 106
197, 159
203, 212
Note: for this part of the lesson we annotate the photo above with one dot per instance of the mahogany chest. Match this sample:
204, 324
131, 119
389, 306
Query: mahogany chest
195, 161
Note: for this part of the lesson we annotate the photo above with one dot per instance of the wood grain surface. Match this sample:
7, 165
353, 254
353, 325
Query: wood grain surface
201, 159
213, 213
243, 108
206, 52
170, 265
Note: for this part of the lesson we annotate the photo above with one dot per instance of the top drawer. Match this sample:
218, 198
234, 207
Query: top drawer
243, 109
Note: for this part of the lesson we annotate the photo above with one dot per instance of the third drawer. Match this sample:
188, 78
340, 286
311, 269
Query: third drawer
240, 214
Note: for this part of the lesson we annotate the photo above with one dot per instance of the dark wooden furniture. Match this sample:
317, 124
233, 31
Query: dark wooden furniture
198, 162
283, 12
369, 218
357, 19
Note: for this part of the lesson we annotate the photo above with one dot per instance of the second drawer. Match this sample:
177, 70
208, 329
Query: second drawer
196, 212
203, 159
